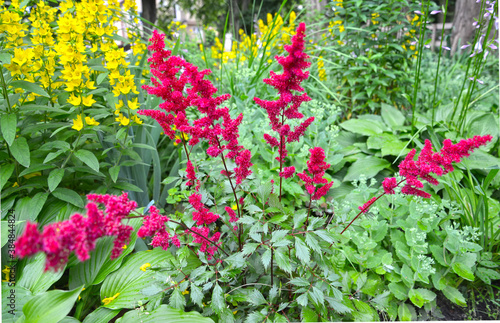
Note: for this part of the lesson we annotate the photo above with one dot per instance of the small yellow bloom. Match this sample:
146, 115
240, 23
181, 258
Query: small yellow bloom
234, 313
6, 271
88, 101
145, 266
91, 121
124, 246
15, 185
108, 300
124, 121
78, 123
133, 104
136, 119
74, 100
234, 207
32, 175
185, 292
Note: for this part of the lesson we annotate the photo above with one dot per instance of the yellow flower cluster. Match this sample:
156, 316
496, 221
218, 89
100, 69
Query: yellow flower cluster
337, 23
411, 35
70, 48
321, 69
375, 15
108, 300
272, 36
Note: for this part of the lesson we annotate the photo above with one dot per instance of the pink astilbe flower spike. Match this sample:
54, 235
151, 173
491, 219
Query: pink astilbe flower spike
287, 105
232, 214
316, 167
190, 174
202, 215
78, 234
153, 225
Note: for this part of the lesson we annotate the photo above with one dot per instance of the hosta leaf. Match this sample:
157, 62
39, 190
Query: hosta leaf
50, 306
164, 313
363, 126
130, 279
368, 166
101, 315
35, 278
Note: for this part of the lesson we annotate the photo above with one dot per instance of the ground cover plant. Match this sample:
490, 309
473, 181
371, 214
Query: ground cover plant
275, 202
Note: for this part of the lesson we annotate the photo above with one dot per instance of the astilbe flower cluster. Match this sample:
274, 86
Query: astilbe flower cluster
316, 166
428, 163
79, 234
287, 105
181, 85
153, 225
203, 232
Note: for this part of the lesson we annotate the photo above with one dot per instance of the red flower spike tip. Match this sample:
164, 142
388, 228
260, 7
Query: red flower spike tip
316, 167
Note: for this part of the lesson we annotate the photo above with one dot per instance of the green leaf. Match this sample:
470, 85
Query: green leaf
101, 315
302, 251
463, 271
196, 295
177, 300
282, 259
12, 313
266, 258
69, 196
278, 218
99, 265
9, 124
455, 296
392, 116
308, 315
313, 243
55, 178
35, 278
256, 298
368, 166
101, 77
362, 126
302, 300
128, 187
29, 87
218, 302
5, 173
88, 159
278, 235
50, 306
487, 275
407, 276
21, 151
36, 204
113, 172
129, 280
164, 313
404, 312
249, 248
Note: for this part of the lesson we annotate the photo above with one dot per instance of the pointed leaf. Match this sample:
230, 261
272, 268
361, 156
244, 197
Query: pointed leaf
21, 151
88, 159
50, 306
8, 123
55, 178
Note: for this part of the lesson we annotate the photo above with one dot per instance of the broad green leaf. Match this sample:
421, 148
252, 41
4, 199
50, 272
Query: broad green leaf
196, 295
129, 280
21, 151
55, 178
29, 87
421, 296
392, 116
5, 173
218, 302
36, 204
407, 276
487, 275
362, 126
127, 187
50, 306
308, 315
35, 169
266, 258
99, 265
454, 295
35, 278
164, 313
256, 298
8, 122
278, 235
368, 166
101, 77
88, 159
13, 299
113, 172
404, 312
463, 271
101, 315
302, 251
70, 196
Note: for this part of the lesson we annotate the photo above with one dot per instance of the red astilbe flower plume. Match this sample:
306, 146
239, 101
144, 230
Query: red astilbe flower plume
79, 233
316, 167
181, 85
202, 216
287, 106
428, 163
153, 225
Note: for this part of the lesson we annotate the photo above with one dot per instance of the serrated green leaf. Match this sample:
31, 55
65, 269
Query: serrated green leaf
218, 302
266, 258
308, 315
177, 300
196, 295
313, 243
302, 300
407, 276
302, 251
299, 281
88, 159
249, 248
8, 123
282, 259
256, 298
404, 312
278, 218
55, 178
21, 151
278, 235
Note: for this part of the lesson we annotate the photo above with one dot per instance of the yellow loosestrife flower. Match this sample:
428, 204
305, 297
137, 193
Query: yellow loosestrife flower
133, 104
145, 266
108, 300
124, 121
78, 123
88, 101
74, 100
6, 271
91, 121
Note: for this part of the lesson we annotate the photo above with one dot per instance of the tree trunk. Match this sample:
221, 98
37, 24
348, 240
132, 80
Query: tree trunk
463, 30
149, 10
